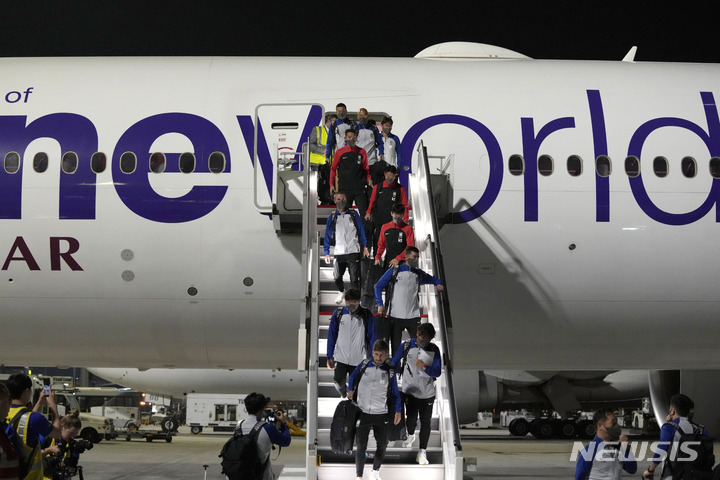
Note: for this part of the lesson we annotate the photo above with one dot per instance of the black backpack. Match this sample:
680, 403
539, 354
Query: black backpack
241, 457
694, 444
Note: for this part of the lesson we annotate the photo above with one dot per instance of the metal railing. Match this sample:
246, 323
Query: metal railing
309, 329
437, 307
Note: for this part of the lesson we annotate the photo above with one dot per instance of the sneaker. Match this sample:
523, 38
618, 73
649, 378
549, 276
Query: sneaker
340, 298
422, 458
375, 475
407, 443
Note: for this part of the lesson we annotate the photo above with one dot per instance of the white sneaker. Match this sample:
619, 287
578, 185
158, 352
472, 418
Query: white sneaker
340, 297
375, 475
422, 458
407, 443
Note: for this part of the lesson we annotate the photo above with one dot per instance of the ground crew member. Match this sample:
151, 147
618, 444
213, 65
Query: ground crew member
29, 425
319, 140
374, 387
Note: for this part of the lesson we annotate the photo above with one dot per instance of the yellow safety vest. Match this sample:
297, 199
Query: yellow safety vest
322, 137
31, 456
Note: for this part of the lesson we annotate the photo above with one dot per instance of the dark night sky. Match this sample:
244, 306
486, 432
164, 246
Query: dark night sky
580, 29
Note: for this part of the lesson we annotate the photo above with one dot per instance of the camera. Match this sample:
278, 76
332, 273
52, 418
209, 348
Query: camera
271, 414
64, 465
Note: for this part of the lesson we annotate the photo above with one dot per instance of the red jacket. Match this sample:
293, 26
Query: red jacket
403, 199
340, 153
409, 239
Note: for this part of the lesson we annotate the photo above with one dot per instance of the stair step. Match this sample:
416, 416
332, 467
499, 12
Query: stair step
324, 423
389, 471
435, 442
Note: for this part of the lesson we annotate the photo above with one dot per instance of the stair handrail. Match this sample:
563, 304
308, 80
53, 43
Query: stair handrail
309, 328
427, 232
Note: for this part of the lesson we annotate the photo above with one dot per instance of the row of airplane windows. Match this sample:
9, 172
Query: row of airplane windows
128, 162
603, 166
216, 164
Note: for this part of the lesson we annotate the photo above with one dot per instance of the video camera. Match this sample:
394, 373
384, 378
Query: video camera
271, 415
64, 465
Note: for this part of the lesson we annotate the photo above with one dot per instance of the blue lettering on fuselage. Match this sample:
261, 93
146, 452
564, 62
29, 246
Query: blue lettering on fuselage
77, 192
134, 188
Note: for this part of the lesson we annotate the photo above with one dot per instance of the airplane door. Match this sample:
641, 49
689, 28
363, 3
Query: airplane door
280, 132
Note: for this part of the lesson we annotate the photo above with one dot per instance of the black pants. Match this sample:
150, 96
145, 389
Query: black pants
340, 374
400, 324
359, 196
351, 262
423, 406
383, 329
379, 424
377, 171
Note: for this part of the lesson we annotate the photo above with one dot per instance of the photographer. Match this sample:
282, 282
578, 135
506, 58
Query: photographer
60, 457
274, 431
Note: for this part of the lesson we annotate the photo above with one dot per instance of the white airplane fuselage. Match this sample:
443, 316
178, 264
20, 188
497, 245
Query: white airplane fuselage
551, 272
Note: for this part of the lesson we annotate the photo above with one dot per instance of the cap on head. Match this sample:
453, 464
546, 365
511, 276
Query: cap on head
256, 402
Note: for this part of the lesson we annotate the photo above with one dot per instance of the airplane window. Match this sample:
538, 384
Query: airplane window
516, 164
660, 166
603, 166
545, 165
157, 163
12, 162
98, 162
715, 167
69, 162
216, 162
40, 162
632, 166
689, 167
187, 162
574, 165
128, 162
285, 126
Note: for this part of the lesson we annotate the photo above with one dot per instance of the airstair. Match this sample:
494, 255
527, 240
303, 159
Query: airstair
444, 450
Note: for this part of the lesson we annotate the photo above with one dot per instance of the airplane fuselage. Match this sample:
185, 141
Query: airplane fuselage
120, 266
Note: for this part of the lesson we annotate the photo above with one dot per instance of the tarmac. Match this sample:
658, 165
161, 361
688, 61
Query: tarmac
495, 454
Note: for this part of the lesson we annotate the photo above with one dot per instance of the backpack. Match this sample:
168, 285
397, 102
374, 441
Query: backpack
241, 457
390, 289
403, 362
333, 222
24, 460
691, 444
